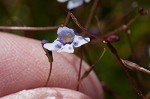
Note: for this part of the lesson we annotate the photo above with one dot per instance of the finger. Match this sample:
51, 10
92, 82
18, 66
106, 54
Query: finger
47, 93
23, 65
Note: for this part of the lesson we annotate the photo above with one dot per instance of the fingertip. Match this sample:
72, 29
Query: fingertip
47, 93
24, 65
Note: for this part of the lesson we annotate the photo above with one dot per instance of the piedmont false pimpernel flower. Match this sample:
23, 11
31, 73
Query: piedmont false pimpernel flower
66, 41
74, 3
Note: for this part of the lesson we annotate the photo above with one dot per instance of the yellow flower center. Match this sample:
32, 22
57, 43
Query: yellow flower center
67, 37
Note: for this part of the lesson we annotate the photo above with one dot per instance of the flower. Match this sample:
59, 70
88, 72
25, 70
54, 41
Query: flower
67, 39
48, 53
74, 3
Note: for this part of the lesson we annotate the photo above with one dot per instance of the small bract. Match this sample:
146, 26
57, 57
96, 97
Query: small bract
67, 39
74, 3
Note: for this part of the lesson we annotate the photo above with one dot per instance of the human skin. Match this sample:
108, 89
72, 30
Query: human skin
24, 67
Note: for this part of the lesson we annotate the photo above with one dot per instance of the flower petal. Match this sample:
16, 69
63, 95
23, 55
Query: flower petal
61, 1
56, 45
87, 1
74, 4
66, 48
79, 40
44, 42
64, 29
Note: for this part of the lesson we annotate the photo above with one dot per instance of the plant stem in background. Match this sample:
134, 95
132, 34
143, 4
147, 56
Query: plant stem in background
99, 25
87, 72
86, 53
114, 51
29, 28
131, 46
67, 20
94, 6
129, 37
86, 26
84, 29
80, 65
135, 67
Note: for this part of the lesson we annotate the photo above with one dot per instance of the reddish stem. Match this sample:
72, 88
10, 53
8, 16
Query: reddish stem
29, 28
131, 47
94, 6
50, 70
80, 66
114, 51
67, 19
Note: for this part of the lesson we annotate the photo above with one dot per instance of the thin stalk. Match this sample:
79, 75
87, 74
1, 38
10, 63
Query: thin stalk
29, 28
135, 67
67, 20
86, 53
131, 47
80, 65
87, 72
99, 25
91, 13
50, 70
86, 27
129, 38
114, 51
122, 27
117, 30
133, 19
83, 28
88, 24
115, 22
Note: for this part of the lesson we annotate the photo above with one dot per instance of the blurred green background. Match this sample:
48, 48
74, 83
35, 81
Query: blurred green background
111, 14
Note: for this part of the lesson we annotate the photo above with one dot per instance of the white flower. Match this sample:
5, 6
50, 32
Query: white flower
67, 39
73, 3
